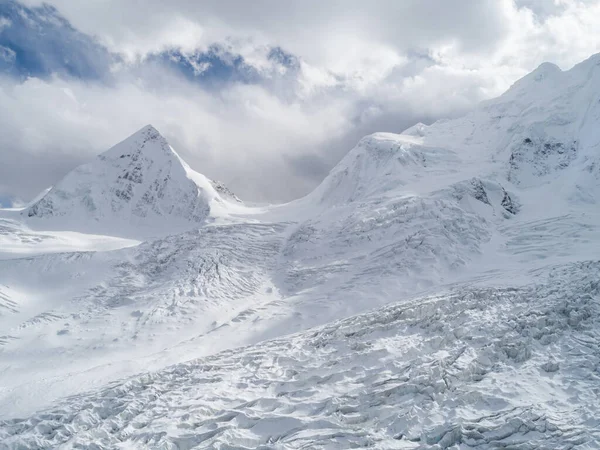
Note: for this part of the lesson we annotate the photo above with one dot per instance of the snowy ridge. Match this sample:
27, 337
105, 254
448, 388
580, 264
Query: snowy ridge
382, 163
544, 129
448, 273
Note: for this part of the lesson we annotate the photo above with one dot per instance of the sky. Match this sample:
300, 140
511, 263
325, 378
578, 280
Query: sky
265, 96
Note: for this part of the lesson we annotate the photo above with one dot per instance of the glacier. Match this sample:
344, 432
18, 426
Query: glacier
439, 289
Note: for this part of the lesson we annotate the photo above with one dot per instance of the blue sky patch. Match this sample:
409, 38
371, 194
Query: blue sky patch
37, 42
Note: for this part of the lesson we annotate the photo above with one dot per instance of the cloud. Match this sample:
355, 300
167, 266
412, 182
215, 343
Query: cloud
52, 125
39, 41
265, 146
337, 34
267, 96
314, 29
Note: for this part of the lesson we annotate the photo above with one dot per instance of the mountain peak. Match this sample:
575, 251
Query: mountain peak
148, 128
148, 132
141, 181
147, 140
379, 163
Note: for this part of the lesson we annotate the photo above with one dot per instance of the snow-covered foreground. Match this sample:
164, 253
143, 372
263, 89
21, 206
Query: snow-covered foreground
17, 241
473, 367
473, 243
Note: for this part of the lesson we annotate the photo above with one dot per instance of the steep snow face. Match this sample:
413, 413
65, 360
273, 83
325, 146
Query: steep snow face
140, 183
382, 163
544, 129
396, 211
555, 124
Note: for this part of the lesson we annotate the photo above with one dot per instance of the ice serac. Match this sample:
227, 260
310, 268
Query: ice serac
140, 182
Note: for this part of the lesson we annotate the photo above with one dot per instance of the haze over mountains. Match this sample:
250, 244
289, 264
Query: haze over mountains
442, 285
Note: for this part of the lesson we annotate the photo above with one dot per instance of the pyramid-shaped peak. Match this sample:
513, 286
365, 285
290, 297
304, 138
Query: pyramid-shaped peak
149, 133
149, 129
141, 181
147, 141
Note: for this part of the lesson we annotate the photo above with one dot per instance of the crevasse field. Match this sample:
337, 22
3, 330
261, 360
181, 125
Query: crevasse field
439, 289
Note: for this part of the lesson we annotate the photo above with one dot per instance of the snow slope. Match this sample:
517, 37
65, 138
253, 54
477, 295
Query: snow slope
473, 241
18, 240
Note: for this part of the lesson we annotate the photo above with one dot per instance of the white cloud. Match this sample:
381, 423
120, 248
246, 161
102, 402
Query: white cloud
4, 22
328, 33
246, 135
350, 36
365, 66
242, 136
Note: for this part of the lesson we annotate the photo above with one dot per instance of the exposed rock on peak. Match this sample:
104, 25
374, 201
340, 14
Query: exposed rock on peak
140, 181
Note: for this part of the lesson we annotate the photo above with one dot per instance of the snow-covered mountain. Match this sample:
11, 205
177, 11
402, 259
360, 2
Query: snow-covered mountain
140, 183
443, 285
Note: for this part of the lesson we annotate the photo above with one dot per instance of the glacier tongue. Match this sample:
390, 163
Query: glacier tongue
138, 186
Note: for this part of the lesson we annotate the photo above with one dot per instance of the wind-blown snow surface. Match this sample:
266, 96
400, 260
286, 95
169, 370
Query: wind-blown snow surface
476, 367
474, 242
